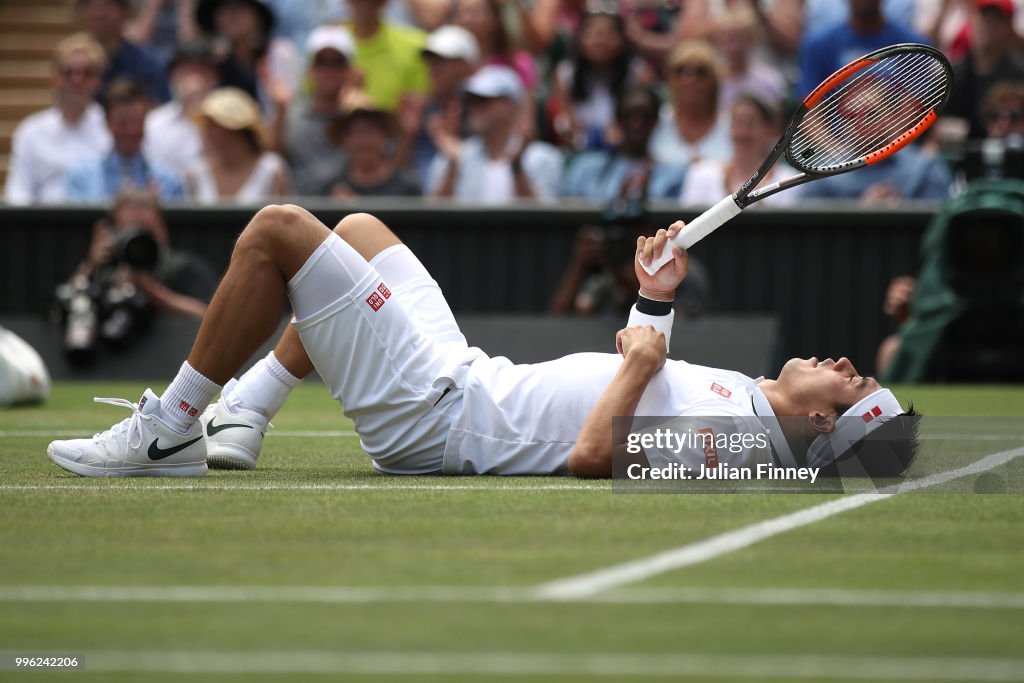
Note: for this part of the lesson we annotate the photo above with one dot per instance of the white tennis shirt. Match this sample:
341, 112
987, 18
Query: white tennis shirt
525, 419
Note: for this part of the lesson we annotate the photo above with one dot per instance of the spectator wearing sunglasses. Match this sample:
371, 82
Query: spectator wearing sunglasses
46, 144
1002, 111
690, 125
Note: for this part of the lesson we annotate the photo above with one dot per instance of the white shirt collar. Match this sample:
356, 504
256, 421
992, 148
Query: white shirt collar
763, 410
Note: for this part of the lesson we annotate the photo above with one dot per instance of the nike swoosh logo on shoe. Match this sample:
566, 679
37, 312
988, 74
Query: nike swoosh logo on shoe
212, 429
157, 453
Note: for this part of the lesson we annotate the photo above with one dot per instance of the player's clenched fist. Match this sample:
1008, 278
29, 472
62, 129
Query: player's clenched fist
662, 285
644, 344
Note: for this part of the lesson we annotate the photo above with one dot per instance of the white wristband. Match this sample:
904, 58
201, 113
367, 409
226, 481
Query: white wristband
662, 323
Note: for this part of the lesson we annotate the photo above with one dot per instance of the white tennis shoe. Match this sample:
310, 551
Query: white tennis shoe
234, 435
138, 446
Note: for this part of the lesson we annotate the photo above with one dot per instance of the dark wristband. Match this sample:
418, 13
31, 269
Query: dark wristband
652, 307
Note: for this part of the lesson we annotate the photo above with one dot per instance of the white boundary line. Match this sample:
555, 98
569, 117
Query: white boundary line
344, 595
482, 664
589, 583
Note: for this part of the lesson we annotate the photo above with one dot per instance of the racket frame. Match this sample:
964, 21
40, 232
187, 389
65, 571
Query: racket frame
732, 205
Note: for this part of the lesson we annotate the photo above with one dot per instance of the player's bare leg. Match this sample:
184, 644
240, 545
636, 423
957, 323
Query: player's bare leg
162, 437
258, 395
246, 308
368, 236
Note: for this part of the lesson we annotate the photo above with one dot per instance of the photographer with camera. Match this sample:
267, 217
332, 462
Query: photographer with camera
129, 272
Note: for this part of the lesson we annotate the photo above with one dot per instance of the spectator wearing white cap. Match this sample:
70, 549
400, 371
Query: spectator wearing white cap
299, 128
451, 54
498, 163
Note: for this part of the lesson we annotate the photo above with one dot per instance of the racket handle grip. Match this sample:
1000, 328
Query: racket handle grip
701, 226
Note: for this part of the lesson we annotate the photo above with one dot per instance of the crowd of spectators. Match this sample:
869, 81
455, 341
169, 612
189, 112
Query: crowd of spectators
484, 101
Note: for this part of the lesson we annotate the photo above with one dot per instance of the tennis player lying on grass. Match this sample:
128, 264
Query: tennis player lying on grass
376, 327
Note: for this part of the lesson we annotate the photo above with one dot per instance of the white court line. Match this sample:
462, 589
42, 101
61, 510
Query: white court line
589, 583
482, 664
343, 595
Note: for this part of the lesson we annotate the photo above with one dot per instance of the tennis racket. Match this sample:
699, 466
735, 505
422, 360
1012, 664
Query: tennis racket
864, 113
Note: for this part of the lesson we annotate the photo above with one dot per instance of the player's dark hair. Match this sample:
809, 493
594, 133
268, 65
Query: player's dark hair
889, 451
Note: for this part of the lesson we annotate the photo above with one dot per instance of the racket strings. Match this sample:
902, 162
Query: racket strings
866, 113
900, 76
870, 110
903, 117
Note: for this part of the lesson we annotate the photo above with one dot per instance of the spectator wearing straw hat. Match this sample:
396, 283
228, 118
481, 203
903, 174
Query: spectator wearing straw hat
234, 165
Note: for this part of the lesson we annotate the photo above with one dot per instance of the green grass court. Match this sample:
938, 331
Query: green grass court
314, 567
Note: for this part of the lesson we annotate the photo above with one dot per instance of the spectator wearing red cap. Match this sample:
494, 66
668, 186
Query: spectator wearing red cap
993, 57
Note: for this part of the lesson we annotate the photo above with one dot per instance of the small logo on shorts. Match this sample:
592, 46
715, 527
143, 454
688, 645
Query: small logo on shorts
720, 390
377, 298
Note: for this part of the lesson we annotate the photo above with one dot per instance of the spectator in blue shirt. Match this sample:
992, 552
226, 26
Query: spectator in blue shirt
105, 20
608, 175
99, 180
911, 173
867, 29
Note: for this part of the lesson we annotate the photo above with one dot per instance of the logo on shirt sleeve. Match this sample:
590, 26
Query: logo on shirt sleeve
720, 390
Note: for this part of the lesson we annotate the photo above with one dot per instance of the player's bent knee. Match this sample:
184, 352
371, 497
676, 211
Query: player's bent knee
356, 223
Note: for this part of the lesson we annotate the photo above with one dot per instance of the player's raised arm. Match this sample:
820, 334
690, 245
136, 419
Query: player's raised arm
658, 291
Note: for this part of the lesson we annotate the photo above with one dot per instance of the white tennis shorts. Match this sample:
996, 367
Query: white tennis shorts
381, 336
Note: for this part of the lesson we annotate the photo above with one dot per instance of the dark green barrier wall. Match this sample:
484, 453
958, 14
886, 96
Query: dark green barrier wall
824, 272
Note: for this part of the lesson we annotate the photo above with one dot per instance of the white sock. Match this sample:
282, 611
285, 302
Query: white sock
264, 387
186, 398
